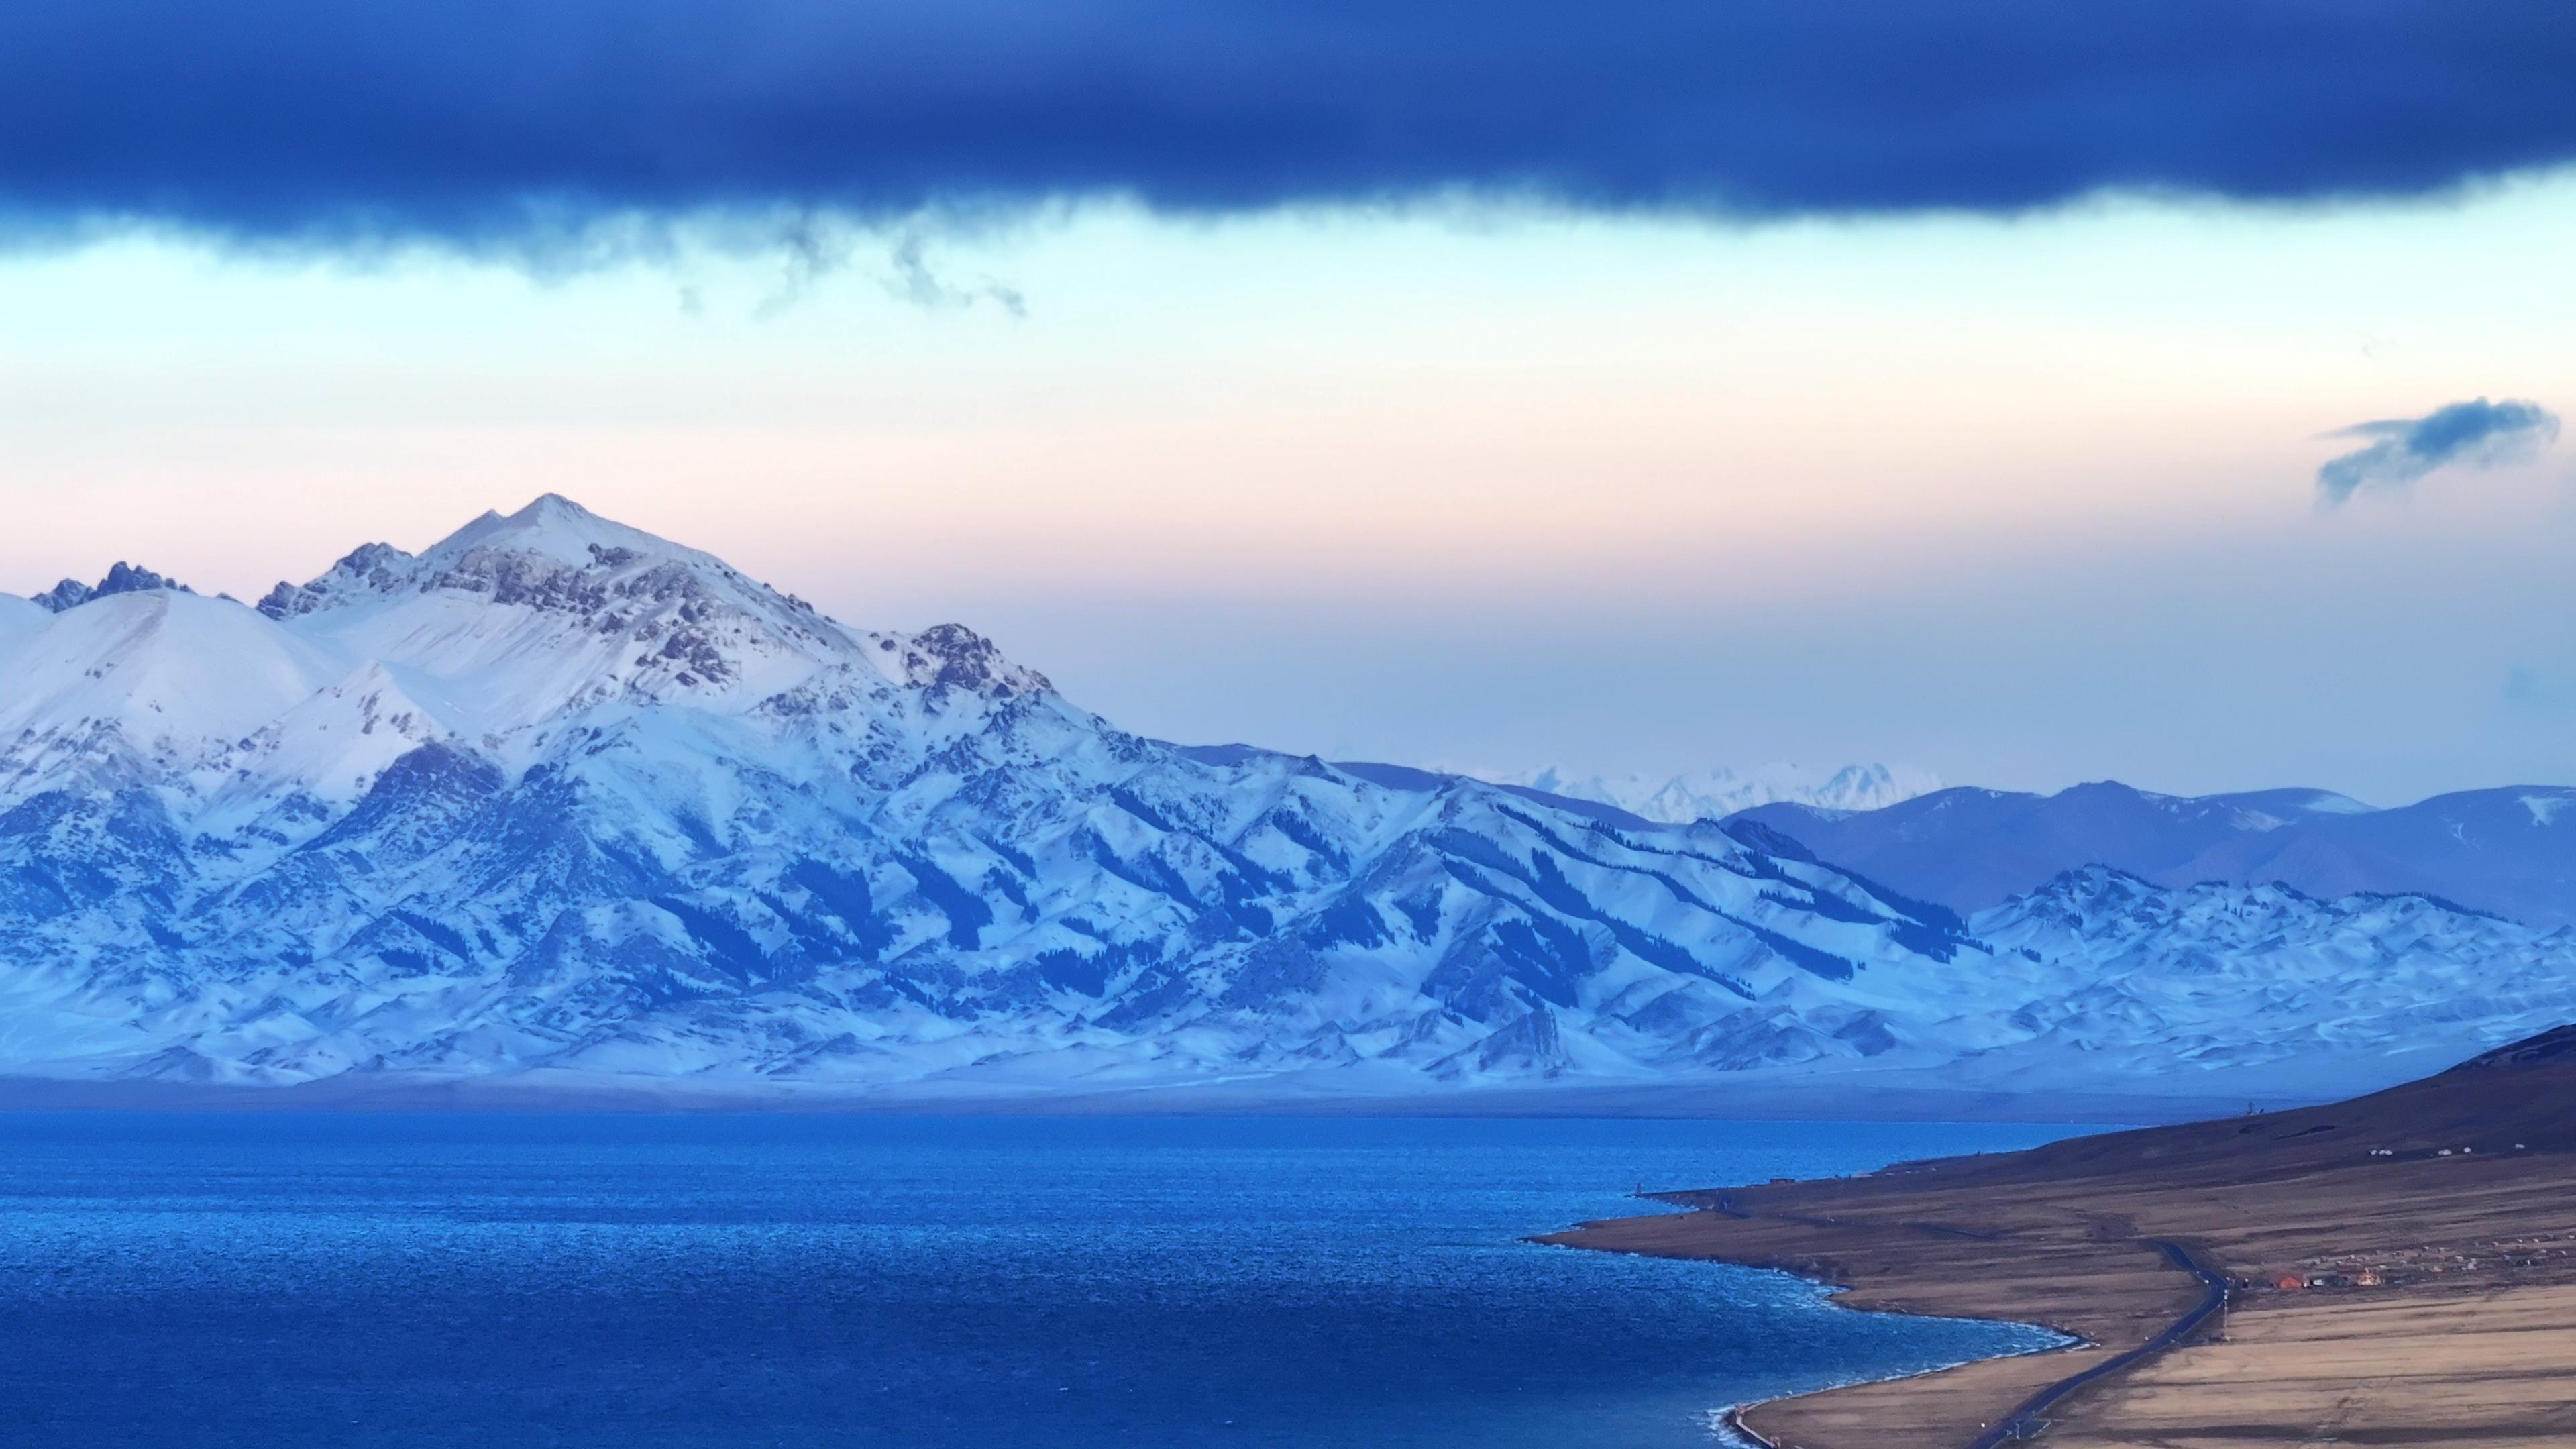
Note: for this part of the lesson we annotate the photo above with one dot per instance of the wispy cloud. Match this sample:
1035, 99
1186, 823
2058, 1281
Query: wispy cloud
2474, 434
498, 124
813, 249
913, 281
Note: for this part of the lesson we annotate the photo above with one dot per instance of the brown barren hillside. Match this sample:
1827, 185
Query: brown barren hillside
2401, 1270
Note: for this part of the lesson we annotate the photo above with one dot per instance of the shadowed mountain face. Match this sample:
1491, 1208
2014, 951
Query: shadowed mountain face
2510, 851
559, 800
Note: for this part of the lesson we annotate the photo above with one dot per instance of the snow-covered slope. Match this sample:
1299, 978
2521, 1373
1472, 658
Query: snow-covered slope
18, 616
161, 686
2147, 979
557, 800
2511, 851
1717, 793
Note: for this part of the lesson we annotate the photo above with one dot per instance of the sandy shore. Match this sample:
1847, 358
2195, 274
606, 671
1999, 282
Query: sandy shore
2431, 1240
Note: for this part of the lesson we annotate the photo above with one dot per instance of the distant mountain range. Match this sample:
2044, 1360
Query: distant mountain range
1717, 793
560, 804
2510, 851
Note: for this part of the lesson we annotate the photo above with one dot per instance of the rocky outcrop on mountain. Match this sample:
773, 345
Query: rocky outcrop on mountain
122, 578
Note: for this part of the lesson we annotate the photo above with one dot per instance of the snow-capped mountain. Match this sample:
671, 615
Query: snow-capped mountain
2511, 851
558, 801
2214, 974
1715, 794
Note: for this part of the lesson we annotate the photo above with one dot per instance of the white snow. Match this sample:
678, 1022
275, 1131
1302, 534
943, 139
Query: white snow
19, 615
167, 677
1716, 793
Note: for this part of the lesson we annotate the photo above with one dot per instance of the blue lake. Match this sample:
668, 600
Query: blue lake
487, 1282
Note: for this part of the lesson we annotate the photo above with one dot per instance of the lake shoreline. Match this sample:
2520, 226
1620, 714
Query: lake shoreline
1743, 1419
1890, 1409
2400, 1269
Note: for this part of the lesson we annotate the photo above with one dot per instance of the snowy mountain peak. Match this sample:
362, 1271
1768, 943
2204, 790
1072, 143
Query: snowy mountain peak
955, 657
122, 578
1971, 849
533, 616
555, 527
553, 553
1717, 793
552, 610
369, 568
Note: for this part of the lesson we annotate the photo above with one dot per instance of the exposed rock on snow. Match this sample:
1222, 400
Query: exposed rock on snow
122, 578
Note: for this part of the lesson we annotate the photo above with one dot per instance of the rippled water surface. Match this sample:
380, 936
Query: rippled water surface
484, 1282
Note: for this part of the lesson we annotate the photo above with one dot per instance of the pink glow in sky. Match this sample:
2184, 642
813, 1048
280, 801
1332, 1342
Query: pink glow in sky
2020, 502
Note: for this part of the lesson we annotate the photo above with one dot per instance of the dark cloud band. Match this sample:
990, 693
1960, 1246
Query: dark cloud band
479, 120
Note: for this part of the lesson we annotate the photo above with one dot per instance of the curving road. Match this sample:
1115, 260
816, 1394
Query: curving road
2025, 1421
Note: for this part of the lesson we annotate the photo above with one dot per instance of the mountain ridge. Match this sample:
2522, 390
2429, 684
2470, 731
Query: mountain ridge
557, 801
1716, 793
2510, 850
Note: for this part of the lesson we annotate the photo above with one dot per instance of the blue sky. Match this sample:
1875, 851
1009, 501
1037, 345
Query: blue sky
1679, 385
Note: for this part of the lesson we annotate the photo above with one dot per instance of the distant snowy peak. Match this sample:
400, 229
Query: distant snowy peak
2100, 902
516, 637
553, 609
122, 578
553, 556
2492, 850
1717, 793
